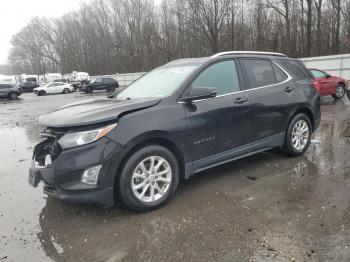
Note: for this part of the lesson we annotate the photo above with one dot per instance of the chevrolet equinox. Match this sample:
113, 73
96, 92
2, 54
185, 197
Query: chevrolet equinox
177, 120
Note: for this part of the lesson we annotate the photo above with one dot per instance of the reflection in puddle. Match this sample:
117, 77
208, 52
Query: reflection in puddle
20, 204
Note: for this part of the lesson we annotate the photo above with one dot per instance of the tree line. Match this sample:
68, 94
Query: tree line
117, 36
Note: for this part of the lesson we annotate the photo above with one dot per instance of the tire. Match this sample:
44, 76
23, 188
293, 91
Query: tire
13, 96
111, 89
340, 92
88, 90
293, 135
66, 91
126, 184
41, 93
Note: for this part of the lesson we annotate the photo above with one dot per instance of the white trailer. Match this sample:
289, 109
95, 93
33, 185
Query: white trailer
79, 76
48, 77
8, 79
27, 78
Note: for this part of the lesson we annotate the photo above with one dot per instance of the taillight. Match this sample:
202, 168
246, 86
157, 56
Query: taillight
316, 85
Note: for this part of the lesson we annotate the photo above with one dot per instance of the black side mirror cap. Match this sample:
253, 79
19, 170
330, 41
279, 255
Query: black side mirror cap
199, 93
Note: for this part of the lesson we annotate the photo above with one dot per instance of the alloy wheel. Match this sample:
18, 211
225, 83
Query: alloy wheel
300, 135
340, 91
151, 179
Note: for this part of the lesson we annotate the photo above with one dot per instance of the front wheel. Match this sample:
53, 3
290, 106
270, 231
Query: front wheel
149, 178
88, 90
41, 93
13, 96
298, 135
340, 92
66, 91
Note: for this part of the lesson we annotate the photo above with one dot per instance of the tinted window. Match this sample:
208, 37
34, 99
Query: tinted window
109, 80
296, 69
317, 73
222, 76
279, 74
260, 72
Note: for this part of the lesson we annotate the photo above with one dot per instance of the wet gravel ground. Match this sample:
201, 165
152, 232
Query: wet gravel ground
267, 207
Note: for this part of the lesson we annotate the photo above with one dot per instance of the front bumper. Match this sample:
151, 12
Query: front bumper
62, 176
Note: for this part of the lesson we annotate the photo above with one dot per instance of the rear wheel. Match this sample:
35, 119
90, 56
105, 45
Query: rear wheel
340, 91
66, 91
298, 135
149, 178
13, 96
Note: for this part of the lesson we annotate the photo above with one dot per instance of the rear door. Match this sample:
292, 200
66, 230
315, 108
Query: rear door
59, 87
51, 88
269, 88
216, 125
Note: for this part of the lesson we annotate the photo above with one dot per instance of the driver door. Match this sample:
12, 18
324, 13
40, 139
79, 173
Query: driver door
98, 84
51, 88
217, 126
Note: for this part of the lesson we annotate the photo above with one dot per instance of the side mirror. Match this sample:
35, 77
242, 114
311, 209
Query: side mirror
199, 93
328, 76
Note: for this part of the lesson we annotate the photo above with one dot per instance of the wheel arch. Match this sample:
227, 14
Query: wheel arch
341, 83
143, 141
308, 112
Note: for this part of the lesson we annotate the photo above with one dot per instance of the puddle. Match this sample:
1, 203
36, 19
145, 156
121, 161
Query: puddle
20, 204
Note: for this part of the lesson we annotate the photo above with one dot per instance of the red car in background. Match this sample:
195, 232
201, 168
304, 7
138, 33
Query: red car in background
329, 85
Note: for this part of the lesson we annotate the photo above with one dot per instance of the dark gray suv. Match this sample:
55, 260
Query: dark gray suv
179, 119
9, 91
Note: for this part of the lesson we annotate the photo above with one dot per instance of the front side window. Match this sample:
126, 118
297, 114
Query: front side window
97, 81
160, 82
221, 76
259, 72
318, 73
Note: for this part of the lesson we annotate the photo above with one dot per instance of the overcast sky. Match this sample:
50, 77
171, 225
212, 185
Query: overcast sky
16, 13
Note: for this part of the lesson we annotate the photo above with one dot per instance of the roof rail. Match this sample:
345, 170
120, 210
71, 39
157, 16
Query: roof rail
248, 53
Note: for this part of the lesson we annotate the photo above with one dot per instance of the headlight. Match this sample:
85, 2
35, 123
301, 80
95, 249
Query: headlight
81, 138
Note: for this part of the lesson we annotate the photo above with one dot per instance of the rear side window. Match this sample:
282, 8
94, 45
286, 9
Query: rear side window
259, 72
296, 69
279, 74
222, 76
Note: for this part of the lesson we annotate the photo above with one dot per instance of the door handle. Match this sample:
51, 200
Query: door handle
288, 89
240, 100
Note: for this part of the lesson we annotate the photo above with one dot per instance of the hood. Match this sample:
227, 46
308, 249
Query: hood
93, 111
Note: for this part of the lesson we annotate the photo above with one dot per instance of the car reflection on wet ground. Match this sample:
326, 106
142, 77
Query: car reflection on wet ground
267, 207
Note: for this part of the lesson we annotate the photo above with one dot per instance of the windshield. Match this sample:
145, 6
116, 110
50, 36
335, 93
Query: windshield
160, 82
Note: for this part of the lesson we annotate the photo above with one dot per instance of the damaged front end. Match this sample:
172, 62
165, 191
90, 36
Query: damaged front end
44, 154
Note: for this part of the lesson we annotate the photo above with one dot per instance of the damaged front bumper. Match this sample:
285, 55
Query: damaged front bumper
61, 171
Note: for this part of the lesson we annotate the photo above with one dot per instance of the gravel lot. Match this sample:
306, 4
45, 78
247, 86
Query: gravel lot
267, 207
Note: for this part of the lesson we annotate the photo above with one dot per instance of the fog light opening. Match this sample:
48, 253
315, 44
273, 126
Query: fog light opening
90, 176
